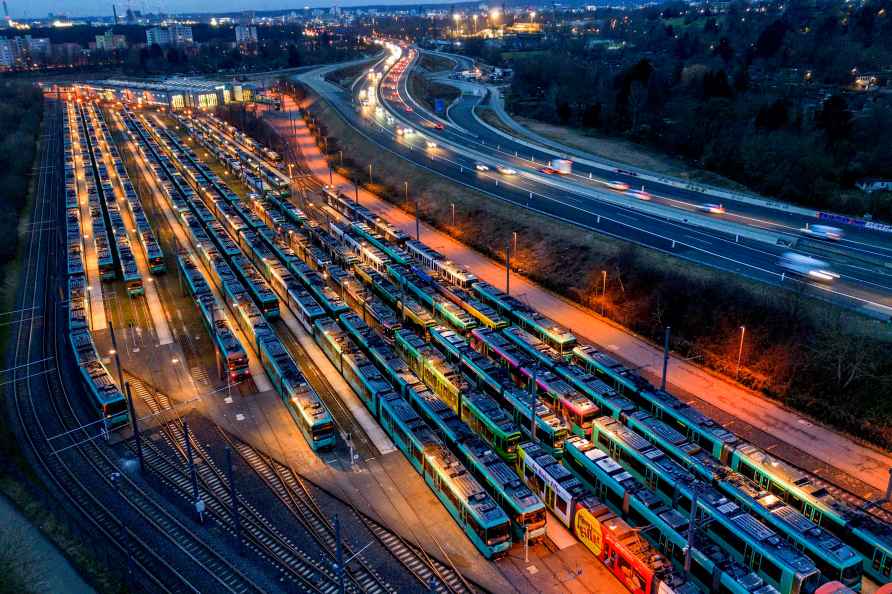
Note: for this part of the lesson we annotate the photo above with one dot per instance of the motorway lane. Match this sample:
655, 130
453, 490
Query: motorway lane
752, 259
471, 132
862, 243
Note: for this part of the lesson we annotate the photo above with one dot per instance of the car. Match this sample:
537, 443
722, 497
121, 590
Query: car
640, 194
400, 131
711, 208
481, 167
431, 144
807, 267
548, 170
407, 109
824, 232
505, 170
617, 185
438, 125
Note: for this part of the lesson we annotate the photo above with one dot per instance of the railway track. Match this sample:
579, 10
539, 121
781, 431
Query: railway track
293, 491
63, 447
297, 499
256, 531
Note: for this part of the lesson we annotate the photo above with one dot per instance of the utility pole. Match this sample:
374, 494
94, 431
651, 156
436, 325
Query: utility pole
665, 357
111, 331
196, 501
417, 223
236, 522
125, 535
135, 424
533, 402
692, 528
507, 268
339, 556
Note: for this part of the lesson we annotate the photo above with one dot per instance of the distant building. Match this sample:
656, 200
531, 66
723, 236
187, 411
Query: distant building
171, 35
7, 54
108, 41
872, 184
245, 35
172, 93
23, 52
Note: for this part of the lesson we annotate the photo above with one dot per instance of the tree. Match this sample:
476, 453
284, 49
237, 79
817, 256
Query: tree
774, 116
835, 119
293, 56
591, 117
771, 39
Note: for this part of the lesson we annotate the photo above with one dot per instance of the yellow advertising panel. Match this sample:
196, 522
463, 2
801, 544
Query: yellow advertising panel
588, 530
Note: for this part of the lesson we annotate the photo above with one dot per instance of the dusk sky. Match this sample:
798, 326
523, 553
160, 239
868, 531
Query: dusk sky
75, 8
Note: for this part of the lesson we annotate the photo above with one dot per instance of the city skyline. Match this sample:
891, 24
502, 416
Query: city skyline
98, 8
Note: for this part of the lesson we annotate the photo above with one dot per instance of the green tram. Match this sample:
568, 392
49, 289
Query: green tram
775, 566
467, 502
550, 431
475, 408
675, 485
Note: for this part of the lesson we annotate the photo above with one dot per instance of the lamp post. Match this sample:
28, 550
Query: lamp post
603, 290
739, 352
453, 214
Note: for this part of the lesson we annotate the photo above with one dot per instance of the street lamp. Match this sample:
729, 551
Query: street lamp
603, 290
739, 352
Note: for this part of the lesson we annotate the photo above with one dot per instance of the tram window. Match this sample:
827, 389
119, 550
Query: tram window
849, 573
496, 533
746, 470
771, 569
451, 495
561, 505
629, 576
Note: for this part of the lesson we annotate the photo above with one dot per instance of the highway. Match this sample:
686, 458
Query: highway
752, 251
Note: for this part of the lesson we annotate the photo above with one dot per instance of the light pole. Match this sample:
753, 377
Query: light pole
341, 158
507, 268
453, 214
603, 290
739, 352
665, 357
370, 173
406, 185
514, 247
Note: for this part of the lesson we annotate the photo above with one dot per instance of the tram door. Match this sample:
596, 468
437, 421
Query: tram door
752, 558
651, 478
881, 561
